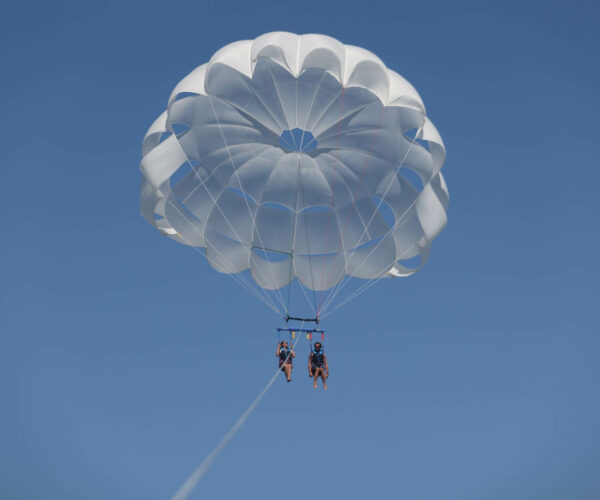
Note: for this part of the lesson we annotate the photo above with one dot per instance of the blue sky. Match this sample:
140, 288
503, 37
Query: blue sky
125, 358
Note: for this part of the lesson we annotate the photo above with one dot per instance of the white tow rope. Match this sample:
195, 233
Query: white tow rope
193, 480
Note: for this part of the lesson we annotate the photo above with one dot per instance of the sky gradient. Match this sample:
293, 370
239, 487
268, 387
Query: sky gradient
125, 357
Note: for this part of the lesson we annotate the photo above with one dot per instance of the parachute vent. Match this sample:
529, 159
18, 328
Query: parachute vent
298, 140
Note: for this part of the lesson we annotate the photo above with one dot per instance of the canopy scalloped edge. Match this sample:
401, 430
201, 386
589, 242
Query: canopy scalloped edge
353, 68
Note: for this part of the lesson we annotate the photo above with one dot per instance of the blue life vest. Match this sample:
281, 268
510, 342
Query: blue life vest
283, 355
317, 358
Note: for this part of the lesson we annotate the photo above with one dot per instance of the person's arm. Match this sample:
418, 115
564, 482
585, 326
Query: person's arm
278, 351
293, 354
325, 363
310, 365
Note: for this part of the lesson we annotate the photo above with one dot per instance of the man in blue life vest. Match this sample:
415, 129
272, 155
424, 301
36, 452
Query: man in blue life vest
285, 355
317, 365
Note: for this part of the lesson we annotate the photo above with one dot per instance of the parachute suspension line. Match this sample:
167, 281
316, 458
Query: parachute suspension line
279, 295
310, 109
238, 278
390, 230
325, 110
299, 190
304, 128
293, 242
273, 306
387, 190
355, 193
332, 197
310, 266
186, 488
253, 217
288, 125
333, 293
202, 182
310, 304
363, 288
289, 290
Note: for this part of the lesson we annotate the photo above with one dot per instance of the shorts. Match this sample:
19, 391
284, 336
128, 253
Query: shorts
315, 368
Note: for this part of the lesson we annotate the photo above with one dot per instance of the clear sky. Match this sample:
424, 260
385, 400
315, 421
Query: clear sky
125, 357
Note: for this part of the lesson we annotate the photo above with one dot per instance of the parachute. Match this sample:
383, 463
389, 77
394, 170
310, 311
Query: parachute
297, 161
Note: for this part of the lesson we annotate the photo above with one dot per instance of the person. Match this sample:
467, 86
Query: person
317, 365
285, 355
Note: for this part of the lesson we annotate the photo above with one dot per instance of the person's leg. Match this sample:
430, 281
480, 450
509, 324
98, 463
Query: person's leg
316, 372
288, 371
324, 379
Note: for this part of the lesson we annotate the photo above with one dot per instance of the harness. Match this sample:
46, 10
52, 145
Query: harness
316, 359
285, 354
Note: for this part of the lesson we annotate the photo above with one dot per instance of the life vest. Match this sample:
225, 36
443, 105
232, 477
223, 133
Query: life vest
283, 355
317, 358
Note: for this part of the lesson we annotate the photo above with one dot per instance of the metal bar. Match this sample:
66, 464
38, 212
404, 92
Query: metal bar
292, 318
270, 250
300, 330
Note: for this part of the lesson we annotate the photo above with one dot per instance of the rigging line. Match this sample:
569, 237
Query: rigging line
308, 114
325, 110
287, 120
312, 279
350, 112
303, 288
294, 236
278, 294
332, 203
310, 109
266, 109
186, 488
312, 105
289, 291
211, 196
296, 78
240, 276
334, 295
396, 170
252, 114
213, 173
331, 296
237, 277
240, 184
362, 288
255, 226
357, 187
391, 230
376, 211
220, 254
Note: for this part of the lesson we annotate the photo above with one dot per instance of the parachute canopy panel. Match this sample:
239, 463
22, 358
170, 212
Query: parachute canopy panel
297, 157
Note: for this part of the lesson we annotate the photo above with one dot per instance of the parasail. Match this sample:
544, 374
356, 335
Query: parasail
296, 159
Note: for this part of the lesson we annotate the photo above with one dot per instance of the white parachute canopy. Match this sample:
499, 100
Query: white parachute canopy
297, 158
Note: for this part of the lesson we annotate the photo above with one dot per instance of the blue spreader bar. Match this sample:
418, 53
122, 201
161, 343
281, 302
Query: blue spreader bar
299, 330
